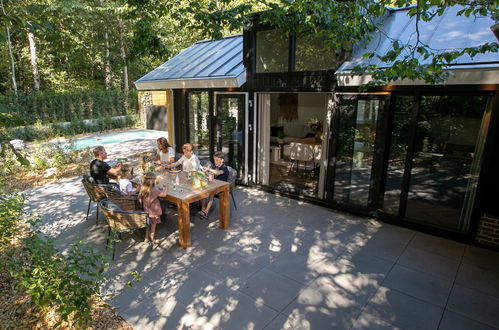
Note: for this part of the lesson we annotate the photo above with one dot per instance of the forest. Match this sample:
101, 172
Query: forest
67, 45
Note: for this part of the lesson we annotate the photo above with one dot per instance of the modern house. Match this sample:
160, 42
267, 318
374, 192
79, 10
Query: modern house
291, 118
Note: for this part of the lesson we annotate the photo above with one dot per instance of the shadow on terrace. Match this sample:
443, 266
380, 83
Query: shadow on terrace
281, 264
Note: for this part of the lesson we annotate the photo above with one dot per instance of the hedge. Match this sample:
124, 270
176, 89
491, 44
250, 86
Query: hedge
51, 107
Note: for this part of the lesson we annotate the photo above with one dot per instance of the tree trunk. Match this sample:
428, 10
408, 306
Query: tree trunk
107, 66
11, 55
34, 61
123, 55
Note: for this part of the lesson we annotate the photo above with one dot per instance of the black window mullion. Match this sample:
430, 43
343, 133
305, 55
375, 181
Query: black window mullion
410, 155
292, 48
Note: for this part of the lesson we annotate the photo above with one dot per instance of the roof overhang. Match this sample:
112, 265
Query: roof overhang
208, 82
459, 76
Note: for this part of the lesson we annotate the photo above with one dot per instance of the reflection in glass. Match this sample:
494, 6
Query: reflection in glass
356, 136
310, 55
272, 49
199, 131
398, 152
447, 133
231, 116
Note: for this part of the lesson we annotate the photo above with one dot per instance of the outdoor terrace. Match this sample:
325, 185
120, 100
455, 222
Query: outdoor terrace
283, 263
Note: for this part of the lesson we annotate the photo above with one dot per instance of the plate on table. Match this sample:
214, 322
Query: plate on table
174, 171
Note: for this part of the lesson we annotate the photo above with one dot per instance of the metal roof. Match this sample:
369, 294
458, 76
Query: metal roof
205, 64
445, 32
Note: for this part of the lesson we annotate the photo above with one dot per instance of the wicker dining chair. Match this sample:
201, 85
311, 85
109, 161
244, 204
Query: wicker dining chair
96, 192
113, 191
122, 216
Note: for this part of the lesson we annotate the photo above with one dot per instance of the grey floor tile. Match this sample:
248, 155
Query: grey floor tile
334, 293
479, 279
394, 234
169, 315
389, 249
368, 321
404, 311
234, 311
474, 305
298, 316
482, 258
428, 262
198, 287
420, 285
437, 245
301, 268
453, 321
272, 289
233, 269
363, 263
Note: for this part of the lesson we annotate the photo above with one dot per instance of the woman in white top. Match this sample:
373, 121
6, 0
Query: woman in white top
166, 153
189, 161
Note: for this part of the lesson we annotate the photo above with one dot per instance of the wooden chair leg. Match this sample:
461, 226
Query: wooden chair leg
233, 200
88, 209
97, 215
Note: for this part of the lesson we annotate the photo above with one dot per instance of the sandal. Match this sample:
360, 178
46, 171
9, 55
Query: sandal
202, 215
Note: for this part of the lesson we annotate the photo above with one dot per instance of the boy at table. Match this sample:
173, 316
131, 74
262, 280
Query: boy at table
189, 161
220, 172
99, 169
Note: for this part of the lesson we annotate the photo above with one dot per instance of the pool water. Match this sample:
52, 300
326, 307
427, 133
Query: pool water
117, 137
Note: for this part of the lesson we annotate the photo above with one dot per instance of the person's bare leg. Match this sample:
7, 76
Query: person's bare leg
207, 207
153, 229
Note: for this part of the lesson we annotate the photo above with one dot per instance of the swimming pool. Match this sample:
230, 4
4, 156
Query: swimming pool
117, 137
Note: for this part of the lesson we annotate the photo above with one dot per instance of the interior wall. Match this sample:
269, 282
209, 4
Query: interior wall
309, 105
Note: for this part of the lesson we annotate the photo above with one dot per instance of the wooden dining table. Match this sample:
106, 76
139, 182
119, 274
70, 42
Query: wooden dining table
185, 193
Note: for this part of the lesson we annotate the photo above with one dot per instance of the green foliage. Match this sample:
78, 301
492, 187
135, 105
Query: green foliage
345, 24
39, 132
67, 282
41, 108
10, 212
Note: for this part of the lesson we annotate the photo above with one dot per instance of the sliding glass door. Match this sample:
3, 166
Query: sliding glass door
230, 129
216, 123
355, 127
435, 153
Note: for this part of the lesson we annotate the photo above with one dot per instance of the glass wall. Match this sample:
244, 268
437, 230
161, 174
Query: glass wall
398, 152
354, 159
231, 125
272, 51
446, 160
310, 55
199, 129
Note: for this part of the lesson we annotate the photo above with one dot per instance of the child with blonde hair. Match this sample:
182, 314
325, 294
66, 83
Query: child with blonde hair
189, 160
124, 179
148, 196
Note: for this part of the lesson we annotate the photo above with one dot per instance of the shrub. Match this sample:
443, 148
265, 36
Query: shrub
67, 283
10, 212
50, 107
